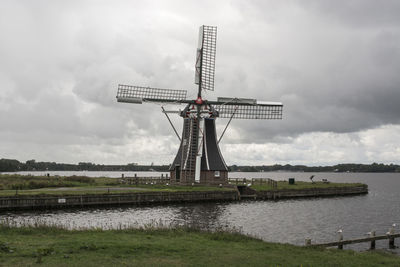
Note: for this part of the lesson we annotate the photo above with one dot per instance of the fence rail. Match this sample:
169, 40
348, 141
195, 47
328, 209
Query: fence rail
253, 181
136, 180
166, 179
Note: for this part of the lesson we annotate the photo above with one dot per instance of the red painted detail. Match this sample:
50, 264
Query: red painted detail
199, 100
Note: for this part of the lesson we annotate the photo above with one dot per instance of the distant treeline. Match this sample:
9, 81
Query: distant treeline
12, 165
350, 167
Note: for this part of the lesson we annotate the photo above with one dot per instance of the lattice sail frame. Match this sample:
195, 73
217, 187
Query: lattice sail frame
149, 93
262, 112
205, 61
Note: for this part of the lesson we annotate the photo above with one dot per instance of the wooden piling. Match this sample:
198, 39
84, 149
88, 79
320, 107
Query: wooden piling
391, 243
391, 238
340, 245
372, 246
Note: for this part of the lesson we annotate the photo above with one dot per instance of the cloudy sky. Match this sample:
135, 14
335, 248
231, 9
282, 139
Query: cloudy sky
334, 64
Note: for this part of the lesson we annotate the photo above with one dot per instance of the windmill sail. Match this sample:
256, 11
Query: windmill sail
205, 61
248, 111
138, 94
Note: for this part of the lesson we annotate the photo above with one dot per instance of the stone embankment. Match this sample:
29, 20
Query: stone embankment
140, 198
312, 192
137, 198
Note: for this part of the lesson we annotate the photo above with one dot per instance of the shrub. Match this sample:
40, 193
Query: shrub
80, 179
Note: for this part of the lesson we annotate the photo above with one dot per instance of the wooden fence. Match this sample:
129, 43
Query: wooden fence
253, 181
152, 180
164, 179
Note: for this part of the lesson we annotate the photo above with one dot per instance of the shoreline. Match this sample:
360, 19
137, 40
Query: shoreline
62, 201
151, 246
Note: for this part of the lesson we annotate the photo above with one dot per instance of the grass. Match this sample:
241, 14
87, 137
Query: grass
52, 246
12, 184
301, 185
23, 182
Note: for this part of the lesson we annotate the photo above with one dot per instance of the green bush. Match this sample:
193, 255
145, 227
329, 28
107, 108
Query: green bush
80, 179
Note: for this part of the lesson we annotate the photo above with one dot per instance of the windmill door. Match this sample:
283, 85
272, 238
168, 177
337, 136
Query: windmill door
178, 173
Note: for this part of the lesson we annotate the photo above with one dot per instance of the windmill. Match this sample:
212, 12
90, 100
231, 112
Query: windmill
199, 159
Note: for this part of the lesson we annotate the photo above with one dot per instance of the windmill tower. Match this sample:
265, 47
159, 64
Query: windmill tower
199, 159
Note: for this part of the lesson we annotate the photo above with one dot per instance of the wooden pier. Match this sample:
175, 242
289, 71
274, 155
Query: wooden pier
371, 239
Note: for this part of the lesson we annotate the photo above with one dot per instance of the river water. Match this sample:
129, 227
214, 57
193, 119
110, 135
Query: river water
284, 221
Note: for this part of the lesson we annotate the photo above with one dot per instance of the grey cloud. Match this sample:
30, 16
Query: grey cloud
360, 13
334, 64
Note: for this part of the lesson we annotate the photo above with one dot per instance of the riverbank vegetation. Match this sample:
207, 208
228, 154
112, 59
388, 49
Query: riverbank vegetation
13, 165
298, 185
181, 246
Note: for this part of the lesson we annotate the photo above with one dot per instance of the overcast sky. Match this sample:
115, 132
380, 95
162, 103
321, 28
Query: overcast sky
335, 65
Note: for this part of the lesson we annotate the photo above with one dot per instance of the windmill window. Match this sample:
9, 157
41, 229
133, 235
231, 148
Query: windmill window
217, 174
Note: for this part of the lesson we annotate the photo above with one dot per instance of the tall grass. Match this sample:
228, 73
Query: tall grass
26, 182
220, 232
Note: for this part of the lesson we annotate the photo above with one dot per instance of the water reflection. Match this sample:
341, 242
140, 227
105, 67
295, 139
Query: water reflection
202, 216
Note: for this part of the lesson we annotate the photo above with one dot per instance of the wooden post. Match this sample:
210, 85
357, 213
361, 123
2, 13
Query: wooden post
372, 234
136, 178
391, 243
340, 232
391, 239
